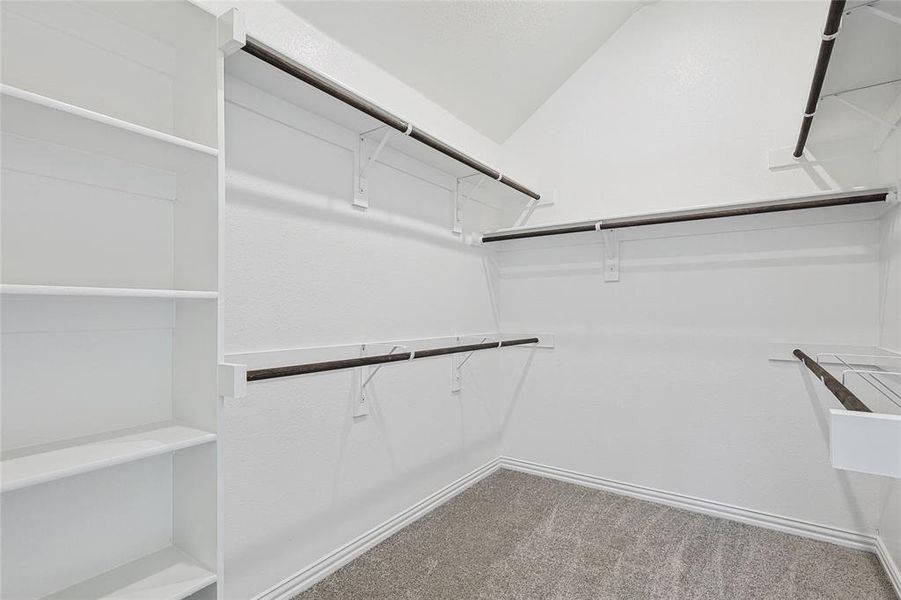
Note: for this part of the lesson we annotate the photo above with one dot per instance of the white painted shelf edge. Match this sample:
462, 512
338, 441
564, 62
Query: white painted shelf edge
169, 574
68, 290
41, 467
77, 111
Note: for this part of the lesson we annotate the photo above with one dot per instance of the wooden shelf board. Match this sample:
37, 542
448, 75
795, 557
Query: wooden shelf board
37, 117
51, 462
69, 290
169, 574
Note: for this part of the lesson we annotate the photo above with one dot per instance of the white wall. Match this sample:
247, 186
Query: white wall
679, 108
305, 269
890, 339
890, 527
890, 328
662, 379
659, 380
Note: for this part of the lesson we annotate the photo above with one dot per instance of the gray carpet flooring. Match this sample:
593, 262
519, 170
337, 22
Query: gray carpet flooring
518, 536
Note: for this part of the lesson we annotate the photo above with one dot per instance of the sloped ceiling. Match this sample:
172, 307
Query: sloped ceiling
490, 63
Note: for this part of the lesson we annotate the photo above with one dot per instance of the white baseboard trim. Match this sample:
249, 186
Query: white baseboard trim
892, 569
333, 561
325, 566
841, 537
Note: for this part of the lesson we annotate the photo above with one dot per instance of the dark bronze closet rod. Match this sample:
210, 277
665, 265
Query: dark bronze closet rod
843, 394
336, 90
833, 21
362, 361
678, 218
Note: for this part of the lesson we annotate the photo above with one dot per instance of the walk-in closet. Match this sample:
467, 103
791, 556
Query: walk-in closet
469, 299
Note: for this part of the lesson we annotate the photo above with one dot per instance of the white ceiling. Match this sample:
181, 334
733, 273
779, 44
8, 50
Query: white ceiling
490, 63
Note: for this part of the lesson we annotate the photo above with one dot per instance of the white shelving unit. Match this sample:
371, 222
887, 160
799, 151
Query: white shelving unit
862, 91
109, 299
169, 573
40, 465
32, 115
485, 203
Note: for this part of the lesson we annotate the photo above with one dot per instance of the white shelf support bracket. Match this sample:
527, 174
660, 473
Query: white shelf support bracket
881, 13
875, 118
232, 34
232, 380
457, 364
893, 115
529, 209
611, 253
526, 213
361, 403
456, 374
457, 225
362, 166
364, 376
460, 198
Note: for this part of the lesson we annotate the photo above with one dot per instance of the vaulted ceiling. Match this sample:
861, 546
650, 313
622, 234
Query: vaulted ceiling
490, 63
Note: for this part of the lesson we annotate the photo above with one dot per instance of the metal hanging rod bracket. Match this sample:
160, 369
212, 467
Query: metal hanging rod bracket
831, 36
361, 404
460, 197
375, 154
363, 164
611, 253
531, 206
457, 219
366, 374
474, 186
458, 362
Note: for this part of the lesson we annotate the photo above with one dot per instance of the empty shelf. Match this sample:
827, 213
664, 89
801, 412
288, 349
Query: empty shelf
37, 117
68, 290
92, 454
169, 574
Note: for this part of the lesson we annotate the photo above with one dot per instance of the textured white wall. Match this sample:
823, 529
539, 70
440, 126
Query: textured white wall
662, 379
890, 338
679, 108
304, 268
890, 524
